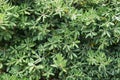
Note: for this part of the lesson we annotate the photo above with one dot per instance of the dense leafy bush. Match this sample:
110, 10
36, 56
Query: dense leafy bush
60, 39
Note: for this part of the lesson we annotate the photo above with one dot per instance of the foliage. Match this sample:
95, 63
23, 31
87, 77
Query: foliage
59, 39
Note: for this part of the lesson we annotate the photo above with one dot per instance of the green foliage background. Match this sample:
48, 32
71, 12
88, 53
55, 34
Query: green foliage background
59, 39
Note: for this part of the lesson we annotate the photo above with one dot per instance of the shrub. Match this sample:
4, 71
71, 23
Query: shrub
60, 39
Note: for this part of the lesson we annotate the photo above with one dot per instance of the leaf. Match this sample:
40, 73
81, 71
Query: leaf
59, 62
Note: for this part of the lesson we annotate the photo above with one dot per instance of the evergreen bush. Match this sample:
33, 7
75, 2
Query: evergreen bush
59, 39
